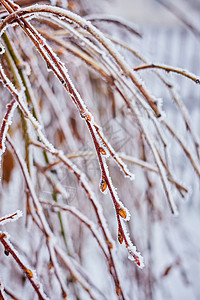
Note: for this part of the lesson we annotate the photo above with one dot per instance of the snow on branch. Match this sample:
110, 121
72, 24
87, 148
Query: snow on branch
30, 274
61, 72
11, 217
7, 121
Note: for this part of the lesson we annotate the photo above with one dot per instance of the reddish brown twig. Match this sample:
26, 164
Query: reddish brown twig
61, 72
5, 124
8, 292
11, 218
93, 31
2, 295
27, 271
169, 69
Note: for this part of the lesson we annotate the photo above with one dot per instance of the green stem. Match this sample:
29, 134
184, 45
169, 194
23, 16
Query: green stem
12, 61
60, 220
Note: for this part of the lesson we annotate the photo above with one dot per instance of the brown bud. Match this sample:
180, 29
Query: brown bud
3, 235
110, 245
29, 273
6, 252
103, 185
102, 151
88, 117
85, 115
118, 291
120, 237
122, 212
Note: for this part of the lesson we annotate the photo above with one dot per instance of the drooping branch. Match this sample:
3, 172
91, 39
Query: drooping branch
169, 69
61, 72
95, 33
9, 249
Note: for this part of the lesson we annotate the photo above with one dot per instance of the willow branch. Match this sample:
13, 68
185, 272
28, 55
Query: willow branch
115, 20
169, 69
60, 71
184, 147
181, 16
29, 274
82, 218
39, 211
95, 33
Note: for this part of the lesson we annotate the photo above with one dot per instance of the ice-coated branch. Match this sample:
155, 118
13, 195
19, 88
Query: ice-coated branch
61, 72
127, 158
91, 226
11, 217
183, 17
79, 275
109, 147
120, 212
2, 293
181, 106
108, 78
19, 96
86, 25
116, 20
44, 226
114, 155
152, 145
183, 111
46, 37
9, 249
7, 121
11, 294
98, 210
56, 266
169, 69
188, 153
99, 213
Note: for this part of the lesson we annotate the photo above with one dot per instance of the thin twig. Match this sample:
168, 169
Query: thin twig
60, 71
116, 20
40, 214
181, 16
29, 274
94, 32
83, 219
169, 69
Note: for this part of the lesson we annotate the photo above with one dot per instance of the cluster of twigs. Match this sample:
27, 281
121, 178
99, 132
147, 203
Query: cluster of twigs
68, 32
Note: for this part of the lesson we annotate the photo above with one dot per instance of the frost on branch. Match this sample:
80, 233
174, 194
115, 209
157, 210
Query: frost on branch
11, 217
135, 256
30, 274
7, 121
2, 292
65, 40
